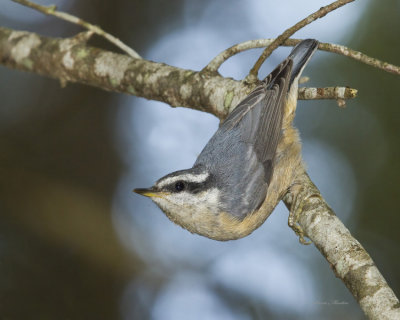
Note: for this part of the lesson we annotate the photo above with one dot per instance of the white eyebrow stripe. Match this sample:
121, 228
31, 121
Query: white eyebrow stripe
189, 177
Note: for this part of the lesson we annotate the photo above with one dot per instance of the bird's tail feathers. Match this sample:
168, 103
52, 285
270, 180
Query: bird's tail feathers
300, 55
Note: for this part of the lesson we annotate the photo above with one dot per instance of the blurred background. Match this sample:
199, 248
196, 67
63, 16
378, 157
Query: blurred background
75, 243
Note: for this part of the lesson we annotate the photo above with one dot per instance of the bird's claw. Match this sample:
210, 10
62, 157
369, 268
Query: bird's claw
293, 219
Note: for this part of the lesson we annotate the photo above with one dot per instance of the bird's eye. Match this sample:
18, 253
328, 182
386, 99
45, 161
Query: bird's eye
179, 186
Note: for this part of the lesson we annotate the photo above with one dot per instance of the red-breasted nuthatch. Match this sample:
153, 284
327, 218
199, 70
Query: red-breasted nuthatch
247, 166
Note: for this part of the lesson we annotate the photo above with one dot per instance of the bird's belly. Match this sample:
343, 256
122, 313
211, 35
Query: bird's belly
223, 226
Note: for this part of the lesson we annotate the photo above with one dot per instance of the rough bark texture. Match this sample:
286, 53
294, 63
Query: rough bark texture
349, 260
71, 60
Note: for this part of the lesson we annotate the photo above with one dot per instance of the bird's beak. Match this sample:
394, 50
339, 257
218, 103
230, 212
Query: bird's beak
149, 192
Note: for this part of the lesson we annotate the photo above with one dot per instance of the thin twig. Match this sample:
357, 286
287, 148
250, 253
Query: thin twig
216, 63
287, 33
359, 56
51, 10
340, 94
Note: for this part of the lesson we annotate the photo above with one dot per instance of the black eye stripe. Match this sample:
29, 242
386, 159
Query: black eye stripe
180, 186
188, 186
192, 187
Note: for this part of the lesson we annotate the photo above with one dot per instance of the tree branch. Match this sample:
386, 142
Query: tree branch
253, 74
216, 63
70, 60
349, 260
51, 10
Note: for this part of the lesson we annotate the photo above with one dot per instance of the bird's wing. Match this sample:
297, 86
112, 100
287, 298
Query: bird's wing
241, 153
258, 118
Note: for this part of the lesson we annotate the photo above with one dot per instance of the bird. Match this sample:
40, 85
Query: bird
248, 164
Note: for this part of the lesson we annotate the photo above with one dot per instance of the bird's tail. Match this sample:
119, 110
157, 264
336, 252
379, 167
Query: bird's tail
300, 55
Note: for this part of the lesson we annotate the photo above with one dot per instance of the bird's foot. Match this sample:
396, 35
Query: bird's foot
293, 219
295, 213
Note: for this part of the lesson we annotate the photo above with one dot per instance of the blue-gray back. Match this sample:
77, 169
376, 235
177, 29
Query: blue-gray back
240, 156
241, 153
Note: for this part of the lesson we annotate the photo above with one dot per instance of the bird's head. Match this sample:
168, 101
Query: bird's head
187, 197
